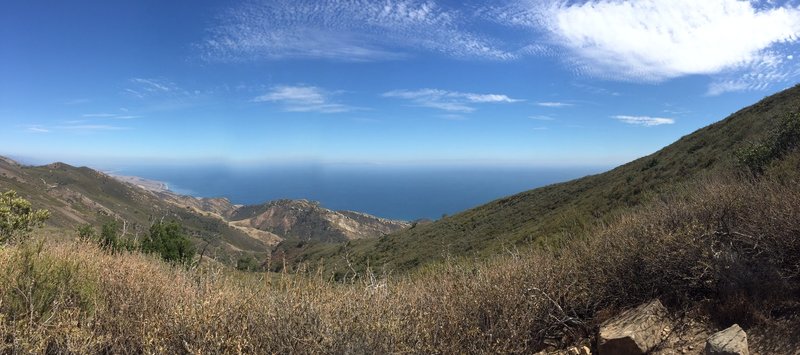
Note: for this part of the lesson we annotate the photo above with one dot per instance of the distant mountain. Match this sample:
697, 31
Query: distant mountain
548, 214
308, 221
80, 195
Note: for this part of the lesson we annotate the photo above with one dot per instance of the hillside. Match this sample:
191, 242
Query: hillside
308, 221
549, 214
79, 195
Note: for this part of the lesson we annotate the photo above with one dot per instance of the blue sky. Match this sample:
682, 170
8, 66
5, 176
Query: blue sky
513, 82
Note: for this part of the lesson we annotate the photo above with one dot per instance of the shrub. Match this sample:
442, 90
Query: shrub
248, 263
108, 236
86, 232
168, 240
17, 217
756, 156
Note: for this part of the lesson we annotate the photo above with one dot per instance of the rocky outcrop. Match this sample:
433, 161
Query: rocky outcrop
634, 332
731, 341
573, 350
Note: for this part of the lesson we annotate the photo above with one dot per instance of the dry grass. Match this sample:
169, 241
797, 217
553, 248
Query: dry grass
730, 247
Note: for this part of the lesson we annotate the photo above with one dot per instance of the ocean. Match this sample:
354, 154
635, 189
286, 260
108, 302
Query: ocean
406, 193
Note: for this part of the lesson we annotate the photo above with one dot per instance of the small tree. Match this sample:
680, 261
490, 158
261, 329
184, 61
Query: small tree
17, 217
169, 241
247, 263
86, 232
108, 236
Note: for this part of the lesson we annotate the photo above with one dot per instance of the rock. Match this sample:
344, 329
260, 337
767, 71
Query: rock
731, 341
636, 331
573, 350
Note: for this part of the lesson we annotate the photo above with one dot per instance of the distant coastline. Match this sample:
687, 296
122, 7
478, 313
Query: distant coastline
147, 184
396, 193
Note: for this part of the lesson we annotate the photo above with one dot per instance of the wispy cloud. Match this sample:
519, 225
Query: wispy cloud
304, 99
37, 129
542, 118
151, 87
92, 127
356, 30
115, 116
741, 45
644, 120
553, 104
154, 85
75, 126
448, 100
77, 101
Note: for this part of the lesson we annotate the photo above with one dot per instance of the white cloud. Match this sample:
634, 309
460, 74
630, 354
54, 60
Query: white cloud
154, 85
92, 127
77, 101
110, 116
99, 115
448, 100
75, 126
542, 118
644, 120
37, 129
740, 44
303, 99
553, 104
143, 88
355, 30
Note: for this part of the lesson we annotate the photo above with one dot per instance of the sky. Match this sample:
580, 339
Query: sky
507, 82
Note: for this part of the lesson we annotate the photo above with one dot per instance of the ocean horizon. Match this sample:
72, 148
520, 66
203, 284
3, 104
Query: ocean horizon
405, 193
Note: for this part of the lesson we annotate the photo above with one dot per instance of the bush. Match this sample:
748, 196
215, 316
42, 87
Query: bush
17, 217
86, 232
248, 263
169, 241
758, 155
108, 236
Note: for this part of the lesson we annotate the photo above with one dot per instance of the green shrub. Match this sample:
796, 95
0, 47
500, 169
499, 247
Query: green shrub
757, 156
17, 217
169, 241
86, 232
248, 263
108, 236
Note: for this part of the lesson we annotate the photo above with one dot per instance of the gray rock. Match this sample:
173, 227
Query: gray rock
731, 341
634, 332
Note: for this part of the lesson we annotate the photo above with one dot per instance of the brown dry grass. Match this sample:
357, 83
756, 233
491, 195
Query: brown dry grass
729, 246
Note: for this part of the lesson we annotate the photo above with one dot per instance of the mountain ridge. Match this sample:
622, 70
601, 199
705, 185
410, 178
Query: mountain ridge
81, 195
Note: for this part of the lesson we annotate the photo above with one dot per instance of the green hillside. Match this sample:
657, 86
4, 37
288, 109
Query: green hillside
79, 195
549, 214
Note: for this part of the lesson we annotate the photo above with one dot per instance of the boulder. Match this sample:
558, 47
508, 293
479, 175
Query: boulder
731, 341
634, 332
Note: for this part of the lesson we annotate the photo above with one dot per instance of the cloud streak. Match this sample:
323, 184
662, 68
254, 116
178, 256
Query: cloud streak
303, 99
356, 30
552, 104
452, 101
646, 121
143, 88
114, 116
